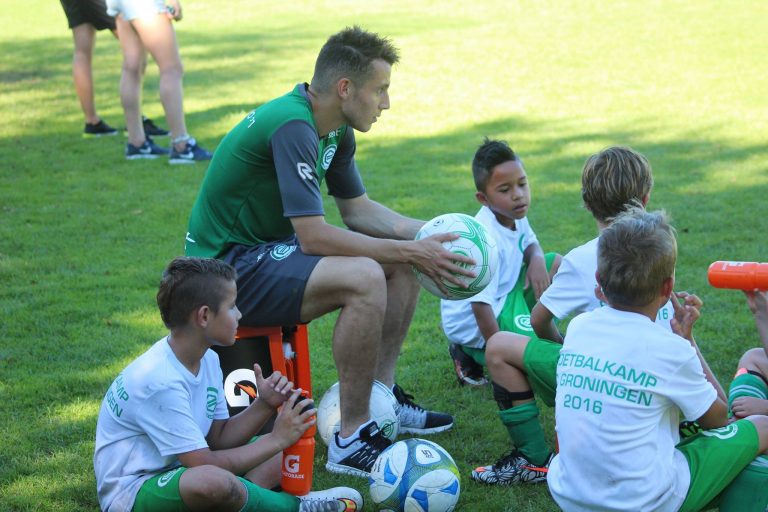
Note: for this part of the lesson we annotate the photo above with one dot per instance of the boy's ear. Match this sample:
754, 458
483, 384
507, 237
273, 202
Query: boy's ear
202, 316
480, 196
667, 286
646, 199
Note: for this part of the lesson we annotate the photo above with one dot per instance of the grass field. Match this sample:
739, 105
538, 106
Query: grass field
84, 234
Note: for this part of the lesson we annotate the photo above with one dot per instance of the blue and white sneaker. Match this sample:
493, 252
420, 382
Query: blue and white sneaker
147, 150
191, 154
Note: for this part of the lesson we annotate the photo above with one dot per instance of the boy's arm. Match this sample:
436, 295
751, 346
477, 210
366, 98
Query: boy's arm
239, 429
542, 321
537, 275
758, 303
290, 424
486, 321
686, 314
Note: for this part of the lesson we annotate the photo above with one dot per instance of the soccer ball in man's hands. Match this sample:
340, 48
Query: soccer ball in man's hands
415, 475
384, 410
475, 242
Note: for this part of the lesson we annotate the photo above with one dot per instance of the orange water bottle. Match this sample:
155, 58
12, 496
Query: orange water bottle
297, 462
738, 275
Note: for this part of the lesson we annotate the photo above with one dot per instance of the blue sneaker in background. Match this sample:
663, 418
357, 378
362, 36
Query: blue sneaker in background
147, 150
191, 154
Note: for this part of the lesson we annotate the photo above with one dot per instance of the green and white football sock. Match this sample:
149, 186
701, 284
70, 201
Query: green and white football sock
522, 423
259, 498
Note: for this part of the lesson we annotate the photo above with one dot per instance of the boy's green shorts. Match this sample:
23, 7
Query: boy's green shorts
715, 458
540, 362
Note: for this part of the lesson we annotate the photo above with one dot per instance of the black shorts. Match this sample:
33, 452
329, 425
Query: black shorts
88, 11
271, 279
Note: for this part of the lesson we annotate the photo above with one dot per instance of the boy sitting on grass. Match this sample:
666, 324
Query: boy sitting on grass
524, 270
611, 180
164, 439
623, 382
748, 395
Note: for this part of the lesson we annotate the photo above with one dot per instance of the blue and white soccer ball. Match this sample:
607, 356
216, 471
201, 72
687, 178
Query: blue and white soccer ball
475, 241
415, 475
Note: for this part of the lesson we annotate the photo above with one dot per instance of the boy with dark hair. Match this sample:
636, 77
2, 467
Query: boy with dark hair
164, 438
623, 381
260, 208
523, 365
524, 271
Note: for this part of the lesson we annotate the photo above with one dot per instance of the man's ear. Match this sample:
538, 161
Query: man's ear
344, 88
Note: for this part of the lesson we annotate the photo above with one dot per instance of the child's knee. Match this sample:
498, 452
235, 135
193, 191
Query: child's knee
211, 484
754, 359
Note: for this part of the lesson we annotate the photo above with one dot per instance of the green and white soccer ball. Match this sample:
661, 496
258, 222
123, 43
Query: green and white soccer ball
415, 475
384, 410
475, 242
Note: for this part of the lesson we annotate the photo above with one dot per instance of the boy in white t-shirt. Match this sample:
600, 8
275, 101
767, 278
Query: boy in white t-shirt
524, 270
611, 180
164, 438
623, 381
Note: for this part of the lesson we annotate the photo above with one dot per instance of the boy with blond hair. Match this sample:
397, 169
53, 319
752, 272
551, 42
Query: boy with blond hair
623, 382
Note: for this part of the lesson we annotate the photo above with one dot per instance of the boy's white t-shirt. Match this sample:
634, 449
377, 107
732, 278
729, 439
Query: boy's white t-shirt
154, 410
622, 382
458, 321
573, 286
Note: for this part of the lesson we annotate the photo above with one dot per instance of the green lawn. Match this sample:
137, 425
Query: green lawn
84, 234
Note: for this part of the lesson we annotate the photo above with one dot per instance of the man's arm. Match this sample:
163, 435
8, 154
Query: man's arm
543, 323
371, 218
428, 255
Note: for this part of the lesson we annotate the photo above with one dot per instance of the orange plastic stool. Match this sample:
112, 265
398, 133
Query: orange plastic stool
289, 354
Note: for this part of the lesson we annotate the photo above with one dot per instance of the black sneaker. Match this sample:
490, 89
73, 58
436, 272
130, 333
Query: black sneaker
414, 419
151, 129
512, 469
358, 456
99, 129
468, 372
191, 154
147, 150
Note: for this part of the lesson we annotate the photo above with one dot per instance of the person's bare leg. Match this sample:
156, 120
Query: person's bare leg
159, 38
504, 357
402, 295
267, 474
357, 286
131, 80
84, 37
211, 488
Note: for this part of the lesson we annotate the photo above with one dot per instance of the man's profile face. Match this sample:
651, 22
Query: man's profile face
369, 99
